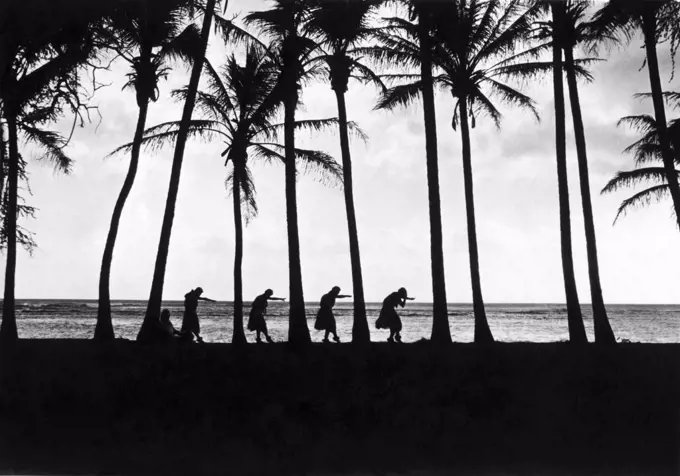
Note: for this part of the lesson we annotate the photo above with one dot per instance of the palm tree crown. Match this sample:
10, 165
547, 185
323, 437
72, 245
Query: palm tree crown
646, 150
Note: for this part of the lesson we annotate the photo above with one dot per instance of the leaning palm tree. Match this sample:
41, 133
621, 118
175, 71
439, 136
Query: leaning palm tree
153, 309
39, 81
339, 28
294, 51
558, 33
573, 30
659, 21
647, 150
239, 104
474, 50
147, 35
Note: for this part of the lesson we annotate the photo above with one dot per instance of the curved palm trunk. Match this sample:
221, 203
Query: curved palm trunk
603, 330
298, 331
441, 332
239, 336
104, 329
577, 332
153, 309
649, 30
360, 331
482, 331
8, 329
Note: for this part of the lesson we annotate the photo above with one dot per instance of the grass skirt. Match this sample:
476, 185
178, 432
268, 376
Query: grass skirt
325, 320
388, 319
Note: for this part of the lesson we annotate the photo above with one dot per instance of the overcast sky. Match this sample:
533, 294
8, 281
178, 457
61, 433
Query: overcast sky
515, 182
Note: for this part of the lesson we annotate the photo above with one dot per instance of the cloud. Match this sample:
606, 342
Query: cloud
515, 183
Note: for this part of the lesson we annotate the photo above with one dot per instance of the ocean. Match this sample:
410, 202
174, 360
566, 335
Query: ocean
52, 319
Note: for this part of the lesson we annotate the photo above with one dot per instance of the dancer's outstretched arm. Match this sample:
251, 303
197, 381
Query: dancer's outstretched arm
277, 298
344, 295
206, 299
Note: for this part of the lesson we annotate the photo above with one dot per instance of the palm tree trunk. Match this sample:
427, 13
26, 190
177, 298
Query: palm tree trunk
103, 331
153, 309
298, 331
3, 158
8, 329
441, 332
649, 30
603, 330
577, 332
360, 331
482, 331
239, 337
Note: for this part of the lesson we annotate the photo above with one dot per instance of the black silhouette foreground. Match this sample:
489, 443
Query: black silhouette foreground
190, 325
325, 320
258, 309
68, 407
389, 319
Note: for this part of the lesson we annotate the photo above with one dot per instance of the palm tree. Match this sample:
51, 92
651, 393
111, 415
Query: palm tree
557, 29
148, 35
647, 150
410, 45
340, 26
658, 21
39, 81
474, 49
239, 103
153, 309
283, 23
573, 31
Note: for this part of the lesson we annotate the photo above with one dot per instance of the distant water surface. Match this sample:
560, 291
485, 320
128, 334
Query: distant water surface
509, 322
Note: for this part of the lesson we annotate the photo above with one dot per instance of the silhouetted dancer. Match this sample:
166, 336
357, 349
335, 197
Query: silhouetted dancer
325, 320
389, 319
256, 321
190, 325
168, 331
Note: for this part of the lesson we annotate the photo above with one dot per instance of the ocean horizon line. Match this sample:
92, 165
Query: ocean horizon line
457, 303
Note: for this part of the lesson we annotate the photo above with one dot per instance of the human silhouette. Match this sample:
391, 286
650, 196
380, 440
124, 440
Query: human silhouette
325, 320
389, 319
167, 330
256, 320
190, 324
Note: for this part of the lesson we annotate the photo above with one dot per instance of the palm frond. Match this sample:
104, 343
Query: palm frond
643, 123
52, 144
168, 135
513, 97
186, 46
233, 34
672, 98
247, 192
273, 132
631, 178
483, 104
326, 168
399, 96
643, 198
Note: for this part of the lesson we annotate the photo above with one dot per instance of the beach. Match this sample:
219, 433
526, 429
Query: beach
542, 322
75, 406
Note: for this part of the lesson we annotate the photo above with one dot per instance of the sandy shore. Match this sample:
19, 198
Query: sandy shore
72, 406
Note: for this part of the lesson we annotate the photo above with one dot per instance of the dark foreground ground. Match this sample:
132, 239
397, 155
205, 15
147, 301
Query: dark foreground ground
72, 406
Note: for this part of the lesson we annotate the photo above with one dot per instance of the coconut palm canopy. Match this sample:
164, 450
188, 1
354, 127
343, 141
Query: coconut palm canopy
647, 155
514, 177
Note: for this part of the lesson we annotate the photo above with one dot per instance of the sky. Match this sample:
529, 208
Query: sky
515, 186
